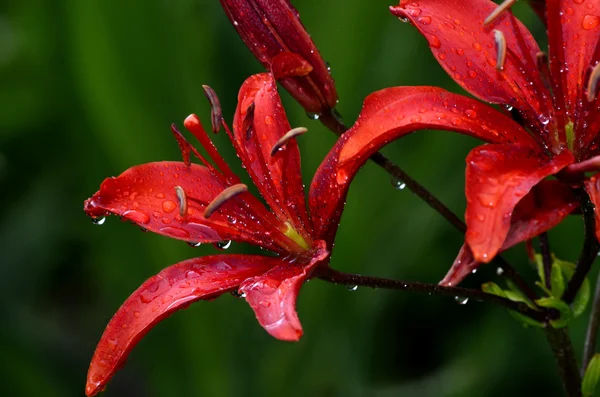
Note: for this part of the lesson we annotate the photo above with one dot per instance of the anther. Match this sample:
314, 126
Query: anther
222, 197
500, 48
182, 198
286, 137
498, 11
248, 122
592, 85
216, 115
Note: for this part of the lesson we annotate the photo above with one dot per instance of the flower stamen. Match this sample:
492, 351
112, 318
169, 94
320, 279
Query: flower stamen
248, 122
293, 133
224, 196
500, 49
182, 198
498, 11
216, 114
592, 86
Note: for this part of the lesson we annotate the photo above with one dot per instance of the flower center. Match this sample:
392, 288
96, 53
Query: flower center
293, 235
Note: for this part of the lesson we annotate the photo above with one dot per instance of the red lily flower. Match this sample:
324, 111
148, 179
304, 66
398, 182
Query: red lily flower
272, 27
492, 55
553, 129
207, 203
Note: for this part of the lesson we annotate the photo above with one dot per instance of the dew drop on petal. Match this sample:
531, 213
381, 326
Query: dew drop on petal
314, 116
341, 177
136, 216
194, 244
168, 206
98, 220
222, 245
238, 294
590, 22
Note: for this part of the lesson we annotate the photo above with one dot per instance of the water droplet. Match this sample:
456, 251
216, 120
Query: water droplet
351, 287
314, 116
398, 183
328, 67
341, 177
461, 300
268, 120
194, 244
136, 216
473, 271
222, 245
98, 220
403, 19
499, 271
265, 303
425, 20
590, 22
434, 42
169, 206
238, 294
471, 113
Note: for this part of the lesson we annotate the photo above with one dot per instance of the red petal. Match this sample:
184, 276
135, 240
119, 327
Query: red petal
592, 186
288, 64
278, 177
467, 51
544, 207
390, 114
145, 194
273, 295
497, 178
172, 289
573, 33
270, 27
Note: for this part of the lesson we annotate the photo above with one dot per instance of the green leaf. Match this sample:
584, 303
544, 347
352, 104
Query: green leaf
539, 264
591, 377
516, 295
557, 281
581, 299
526, 321
565, 311
493, 288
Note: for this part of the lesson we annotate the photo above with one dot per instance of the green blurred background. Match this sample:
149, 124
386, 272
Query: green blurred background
89, 88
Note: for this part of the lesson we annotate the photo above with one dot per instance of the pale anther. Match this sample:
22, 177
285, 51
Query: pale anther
181, 196
505, 5
592, 85
286, 137
222, 197
500, 48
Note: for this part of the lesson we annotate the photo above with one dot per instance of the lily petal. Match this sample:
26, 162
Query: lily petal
544, 207
573, 34
278, 176
273, 295
497, 178
271, 27
390, 114
146, 195
174, 288
592, 186
465, 48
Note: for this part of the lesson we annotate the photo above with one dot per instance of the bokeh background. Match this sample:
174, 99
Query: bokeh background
89, 88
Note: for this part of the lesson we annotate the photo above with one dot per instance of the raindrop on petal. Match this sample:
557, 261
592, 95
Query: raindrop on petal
222, 245
98, 221
238, 294
194, 244
314, 116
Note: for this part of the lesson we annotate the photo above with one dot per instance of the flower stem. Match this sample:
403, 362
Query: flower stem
332, 121
546, 258
589, 347
337, 277
589, 251
563, 351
